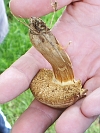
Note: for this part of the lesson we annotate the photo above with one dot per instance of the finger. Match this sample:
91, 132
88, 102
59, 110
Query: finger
91, 105
29, 8
36, 119
17, 78
73, 121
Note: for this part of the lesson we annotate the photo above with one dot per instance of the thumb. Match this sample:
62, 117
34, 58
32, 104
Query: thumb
91, 104
37, 8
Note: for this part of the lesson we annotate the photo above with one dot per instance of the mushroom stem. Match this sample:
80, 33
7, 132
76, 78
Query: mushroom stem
44, 41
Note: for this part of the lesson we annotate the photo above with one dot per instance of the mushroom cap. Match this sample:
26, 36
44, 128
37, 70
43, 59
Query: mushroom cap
47, 90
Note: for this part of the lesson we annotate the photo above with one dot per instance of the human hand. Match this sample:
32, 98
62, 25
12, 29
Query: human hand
79, 24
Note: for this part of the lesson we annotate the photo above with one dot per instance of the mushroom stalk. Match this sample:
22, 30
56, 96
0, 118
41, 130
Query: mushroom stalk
44, 41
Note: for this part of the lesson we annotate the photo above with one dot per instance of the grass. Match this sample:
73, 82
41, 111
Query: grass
16, 44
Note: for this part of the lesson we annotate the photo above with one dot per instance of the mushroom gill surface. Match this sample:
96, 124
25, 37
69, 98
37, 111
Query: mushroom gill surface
56, 88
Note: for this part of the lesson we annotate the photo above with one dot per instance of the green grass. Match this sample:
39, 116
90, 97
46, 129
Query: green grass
16, 44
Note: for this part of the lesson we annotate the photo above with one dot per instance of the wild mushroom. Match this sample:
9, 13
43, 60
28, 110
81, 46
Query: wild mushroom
56, 88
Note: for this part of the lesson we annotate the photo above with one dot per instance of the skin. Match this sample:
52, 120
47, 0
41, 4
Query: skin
80, 23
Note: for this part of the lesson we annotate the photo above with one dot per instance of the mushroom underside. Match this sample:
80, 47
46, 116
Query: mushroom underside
48, 91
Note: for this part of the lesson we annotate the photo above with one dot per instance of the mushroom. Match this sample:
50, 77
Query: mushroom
57, 87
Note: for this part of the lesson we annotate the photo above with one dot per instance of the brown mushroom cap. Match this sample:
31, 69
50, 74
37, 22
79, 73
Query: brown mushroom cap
55, 94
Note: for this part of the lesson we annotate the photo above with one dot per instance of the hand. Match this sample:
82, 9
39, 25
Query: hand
80, 23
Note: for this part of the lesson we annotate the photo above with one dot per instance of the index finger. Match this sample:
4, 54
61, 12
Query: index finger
17, 78
37, 8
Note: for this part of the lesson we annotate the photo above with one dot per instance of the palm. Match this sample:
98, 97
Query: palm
79, 24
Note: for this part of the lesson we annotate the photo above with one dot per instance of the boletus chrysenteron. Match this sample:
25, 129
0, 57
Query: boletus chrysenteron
57, 87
